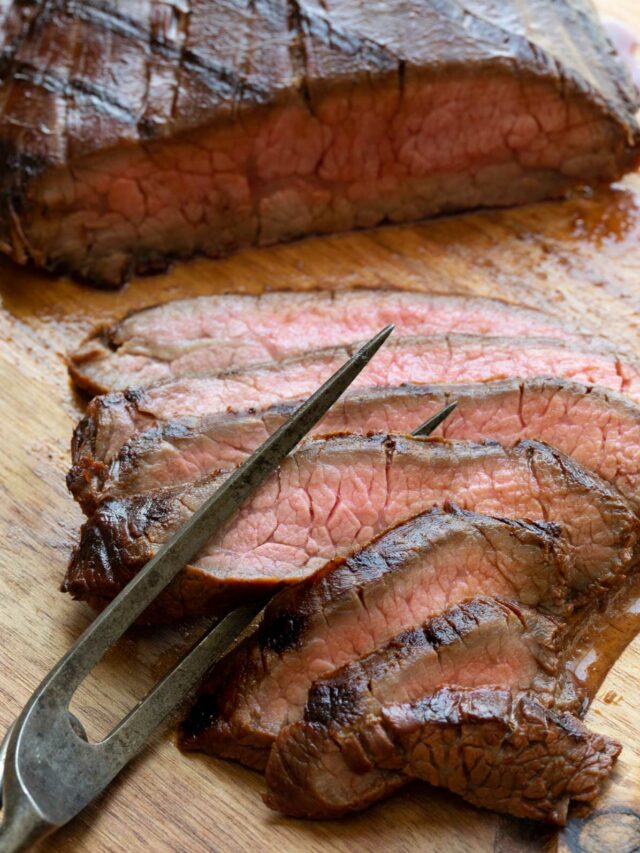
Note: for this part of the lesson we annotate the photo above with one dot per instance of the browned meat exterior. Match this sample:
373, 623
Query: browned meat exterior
599, 428
133, 133
481, 643
354, 605
499, 751
335, 495
115, 418
210, 333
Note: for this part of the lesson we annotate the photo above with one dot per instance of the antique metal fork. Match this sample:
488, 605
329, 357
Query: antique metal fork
50, 770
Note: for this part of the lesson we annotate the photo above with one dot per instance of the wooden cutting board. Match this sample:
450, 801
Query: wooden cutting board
579, 259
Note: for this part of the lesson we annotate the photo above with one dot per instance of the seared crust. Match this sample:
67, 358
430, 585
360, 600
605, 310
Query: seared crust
507, 753
473, 700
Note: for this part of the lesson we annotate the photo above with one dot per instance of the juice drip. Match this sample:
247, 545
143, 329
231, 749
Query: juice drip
599, 640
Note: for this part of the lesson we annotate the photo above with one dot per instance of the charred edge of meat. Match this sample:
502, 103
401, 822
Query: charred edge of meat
286, 629
526, 724
101, 554
338, 697
202, 715
500, 750
19, 167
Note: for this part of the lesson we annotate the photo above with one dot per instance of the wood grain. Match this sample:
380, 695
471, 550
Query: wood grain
579, 259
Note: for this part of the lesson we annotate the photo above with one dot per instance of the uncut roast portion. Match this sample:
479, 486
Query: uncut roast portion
130, 138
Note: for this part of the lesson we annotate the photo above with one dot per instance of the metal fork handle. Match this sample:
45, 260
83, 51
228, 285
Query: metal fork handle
4, 746
22, 826
83, 769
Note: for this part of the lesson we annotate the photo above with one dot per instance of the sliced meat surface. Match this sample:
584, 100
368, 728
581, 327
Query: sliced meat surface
113, 419
505, 752
132, 135
211, 333
599, 428
336, 494
480, 643
352, 606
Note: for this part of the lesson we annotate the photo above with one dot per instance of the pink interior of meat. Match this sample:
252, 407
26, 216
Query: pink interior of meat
358, 624
213, 333
280, 323
602, 437
496, 657
473, 360
312, 511
360, 157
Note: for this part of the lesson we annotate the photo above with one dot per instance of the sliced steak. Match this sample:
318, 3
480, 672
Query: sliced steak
337, 494
353, 605
498, 750
129, 138
113, 419
600, 429
230, 331
480, 643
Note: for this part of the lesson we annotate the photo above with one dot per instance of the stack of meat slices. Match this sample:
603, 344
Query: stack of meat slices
427, 589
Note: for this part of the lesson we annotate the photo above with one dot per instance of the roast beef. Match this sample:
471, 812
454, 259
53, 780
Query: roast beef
337, 494
332, 755
601, 429
223, 332
132, 136
114, 418
503, 752
355, 604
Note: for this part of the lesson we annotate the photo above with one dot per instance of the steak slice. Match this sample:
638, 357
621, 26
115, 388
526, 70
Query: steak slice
599, 428
208, 333
332, 755
353, 605
129, 139
337, 494
113, 419
500, 751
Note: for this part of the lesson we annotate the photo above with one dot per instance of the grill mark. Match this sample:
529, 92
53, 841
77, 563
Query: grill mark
26, 72
229, 81
297, 50
284, 632
184, 21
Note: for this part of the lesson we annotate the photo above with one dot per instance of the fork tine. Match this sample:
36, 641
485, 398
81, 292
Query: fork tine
434, 421
135, 729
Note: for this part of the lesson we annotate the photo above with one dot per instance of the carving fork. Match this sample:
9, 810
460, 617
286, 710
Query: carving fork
48, 768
